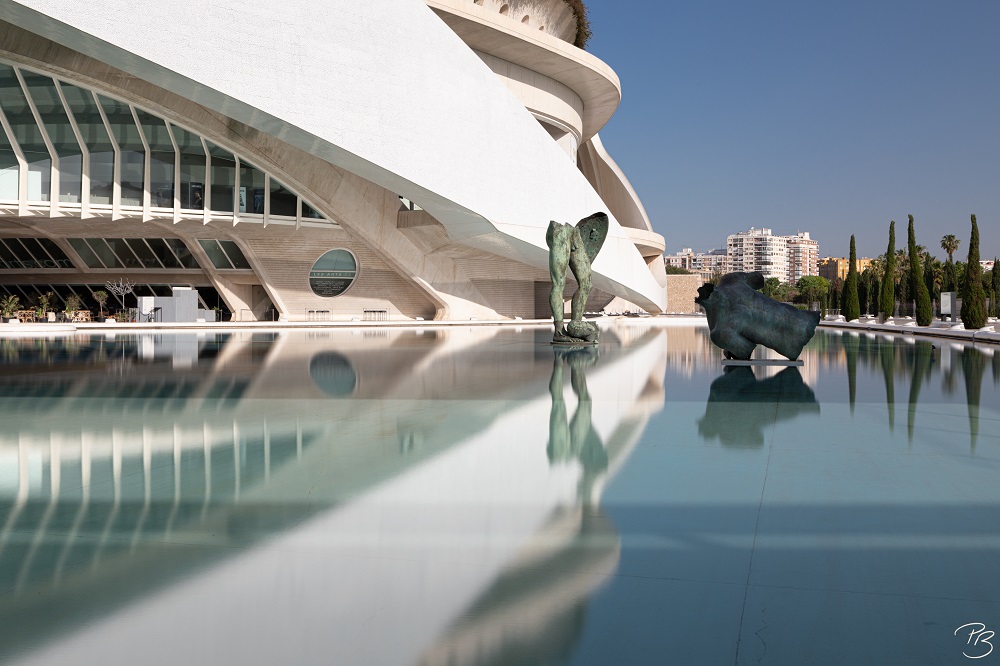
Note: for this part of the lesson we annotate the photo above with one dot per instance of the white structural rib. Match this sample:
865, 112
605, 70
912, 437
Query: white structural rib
382, 89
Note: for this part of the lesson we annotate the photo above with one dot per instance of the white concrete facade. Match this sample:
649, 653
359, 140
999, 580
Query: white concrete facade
363, 103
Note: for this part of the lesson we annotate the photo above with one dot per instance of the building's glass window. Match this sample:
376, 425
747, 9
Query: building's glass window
235, 254
333, 273
50, 108
192, 169
26, 134
89, 256
161, 160
22, 254
56, 252
7, 257
223, 179
95, 137
310, 212
251, 189
142, 251
8, 169
283, 200
105, 253
183, 254
163, 252
121, 248
39, 253
215, 254
133, 153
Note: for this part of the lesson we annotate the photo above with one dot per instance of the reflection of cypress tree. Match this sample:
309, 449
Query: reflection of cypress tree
887, 354
973, 365
851, 346
996, 368
922, 357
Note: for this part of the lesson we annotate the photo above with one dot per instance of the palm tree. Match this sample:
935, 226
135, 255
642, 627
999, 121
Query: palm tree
950, 244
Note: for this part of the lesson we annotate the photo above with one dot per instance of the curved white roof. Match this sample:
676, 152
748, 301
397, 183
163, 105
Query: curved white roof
383, 89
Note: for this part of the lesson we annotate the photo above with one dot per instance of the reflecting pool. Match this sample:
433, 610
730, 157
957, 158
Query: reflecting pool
475, 496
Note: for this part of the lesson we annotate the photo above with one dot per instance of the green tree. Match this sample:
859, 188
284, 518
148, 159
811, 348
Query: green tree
812, 289
918, 288
995, 280
950, 244
771, 286
887, 297
852, 305
670, 270
101, 297
973, 294
949, 281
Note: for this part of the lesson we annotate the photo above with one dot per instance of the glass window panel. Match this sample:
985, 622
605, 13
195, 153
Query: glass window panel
9, 174
163, 252
215, 254
145, 255
89, 256
161, 290
104, 252
310, 212
22, 254
120, 247
235, 254
223, 179
53, 114
26, 134
251, 189
56, 252
161, 160
192, 183
183, 254
62, 292
8, 256
133, 153
95, 137
283, 200
142, 290
40, 255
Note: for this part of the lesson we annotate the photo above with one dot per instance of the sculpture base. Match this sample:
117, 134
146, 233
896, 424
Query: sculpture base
762, 361
573, 343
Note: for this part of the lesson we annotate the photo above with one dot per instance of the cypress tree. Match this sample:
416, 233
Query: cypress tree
973, 294
995, 274
852, 306
918, 289
950, 281
887, 297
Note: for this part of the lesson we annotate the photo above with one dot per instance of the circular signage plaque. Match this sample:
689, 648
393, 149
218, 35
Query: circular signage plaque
333, 273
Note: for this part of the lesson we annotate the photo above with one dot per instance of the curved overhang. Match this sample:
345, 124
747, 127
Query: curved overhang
586, 75
649, 243
458, 142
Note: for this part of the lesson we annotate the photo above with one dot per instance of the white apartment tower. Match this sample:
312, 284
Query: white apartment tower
786, 258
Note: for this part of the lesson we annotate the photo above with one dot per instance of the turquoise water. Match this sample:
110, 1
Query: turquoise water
473, 496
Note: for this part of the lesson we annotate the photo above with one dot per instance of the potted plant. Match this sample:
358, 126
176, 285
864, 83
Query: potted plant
8, 306
73, 304
101, 297
44, 304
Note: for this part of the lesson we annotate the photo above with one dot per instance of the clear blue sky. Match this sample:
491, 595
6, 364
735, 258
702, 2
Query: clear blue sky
831, 117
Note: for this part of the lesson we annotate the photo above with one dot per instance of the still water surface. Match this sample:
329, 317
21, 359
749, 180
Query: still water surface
474, 496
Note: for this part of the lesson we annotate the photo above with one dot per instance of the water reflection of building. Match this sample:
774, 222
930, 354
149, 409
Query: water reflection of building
195, 478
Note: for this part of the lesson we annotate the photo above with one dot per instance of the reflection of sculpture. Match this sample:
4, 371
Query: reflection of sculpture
740, 318
740, 407
576, 440
575, 248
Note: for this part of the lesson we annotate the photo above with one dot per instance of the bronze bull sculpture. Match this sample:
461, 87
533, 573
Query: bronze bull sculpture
740, 318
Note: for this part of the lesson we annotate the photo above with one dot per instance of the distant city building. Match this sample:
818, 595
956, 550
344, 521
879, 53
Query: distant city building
786, 258
986, 264
701, 263
833, 268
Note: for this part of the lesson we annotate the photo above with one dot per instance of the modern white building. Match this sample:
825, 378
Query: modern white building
786, 258
314, 159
